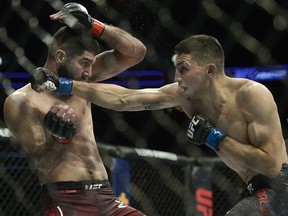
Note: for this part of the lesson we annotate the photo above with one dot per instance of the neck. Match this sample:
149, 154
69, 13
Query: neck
51, 66
213, 100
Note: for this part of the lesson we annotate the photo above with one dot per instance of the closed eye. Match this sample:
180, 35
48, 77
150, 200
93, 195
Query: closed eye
181, 69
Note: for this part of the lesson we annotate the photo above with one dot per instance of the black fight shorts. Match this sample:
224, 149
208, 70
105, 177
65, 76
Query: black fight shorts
84, 198
268, 197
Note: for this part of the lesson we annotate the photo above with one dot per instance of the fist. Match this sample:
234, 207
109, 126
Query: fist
43, 80
60, 122
75, 16
202, 131
64, 113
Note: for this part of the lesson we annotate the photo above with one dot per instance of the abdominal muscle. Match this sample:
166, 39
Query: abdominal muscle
78, 162
245, 173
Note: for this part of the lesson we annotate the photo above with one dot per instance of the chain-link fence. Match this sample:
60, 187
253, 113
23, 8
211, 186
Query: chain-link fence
252, 32
158, 183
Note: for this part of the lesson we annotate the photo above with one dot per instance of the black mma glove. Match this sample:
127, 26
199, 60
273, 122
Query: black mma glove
47, 81
78, 11
62, 132
201, 131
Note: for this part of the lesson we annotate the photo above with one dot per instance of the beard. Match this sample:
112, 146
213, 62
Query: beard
68, 72
64, 72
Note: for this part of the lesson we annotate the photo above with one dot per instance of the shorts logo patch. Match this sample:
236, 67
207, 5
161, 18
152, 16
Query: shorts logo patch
121, 204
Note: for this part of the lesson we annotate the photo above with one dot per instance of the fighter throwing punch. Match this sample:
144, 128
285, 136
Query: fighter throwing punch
56, 131
235, 117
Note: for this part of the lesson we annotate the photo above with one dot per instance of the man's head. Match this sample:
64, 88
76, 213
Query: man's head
204, 49
73, 53
199, 59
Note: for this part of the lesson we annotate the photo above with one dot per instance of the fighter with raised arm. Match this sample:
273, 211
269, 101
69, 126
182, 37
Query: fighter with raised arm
235, 117
56, 131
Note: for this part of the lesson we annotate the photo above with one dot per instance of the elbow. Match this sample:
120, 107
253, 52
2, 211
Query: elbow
143, 51
273, 168
140, 51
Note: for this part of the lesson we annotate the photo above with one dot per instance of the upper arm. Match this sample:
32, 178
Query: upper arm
153, 98
264, 128
110, 63
21, 120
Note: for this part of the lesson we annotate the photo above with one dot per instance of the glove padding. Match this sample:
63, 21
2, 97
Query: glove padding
74, 10
201, 131
61, 131
44, 80
78, 11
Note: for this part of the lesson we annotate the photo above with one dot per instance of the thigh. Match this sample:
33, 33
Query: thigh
247, 206
112, 206
72, 204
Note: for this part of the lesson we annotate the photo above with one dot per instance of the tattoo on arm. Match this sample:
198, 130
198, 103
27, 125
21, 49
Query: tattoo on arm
151, 105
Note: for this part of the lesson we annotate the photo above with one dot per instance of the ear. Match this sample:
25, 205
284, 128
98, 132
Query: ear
60, 56
211, 69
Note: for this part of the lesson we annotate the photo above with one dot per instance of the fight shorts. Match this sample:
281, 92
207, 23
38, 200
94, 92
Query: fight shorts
85, 198
267, 197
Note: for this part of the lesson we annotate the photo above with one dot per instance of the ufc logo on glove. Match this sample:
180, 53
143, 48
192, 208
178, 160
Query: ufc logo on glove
191, 129
202, 132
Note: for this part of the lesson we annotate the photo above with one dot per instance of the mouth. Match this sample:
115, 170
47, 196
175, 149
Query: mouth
84, 76
183, 89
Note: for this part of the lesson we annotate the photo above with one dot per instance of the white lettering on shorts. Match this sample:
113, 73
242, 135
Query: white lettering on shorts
60, 211
250, 188
121, 204
93, 186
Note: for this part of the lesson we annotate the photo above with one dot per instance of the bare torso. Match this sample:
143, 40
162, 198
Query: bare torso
79, 160
231, 119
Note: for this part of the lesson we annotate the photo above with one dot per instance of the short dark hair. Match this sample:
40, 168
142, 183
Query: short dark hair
73, 42
204, 49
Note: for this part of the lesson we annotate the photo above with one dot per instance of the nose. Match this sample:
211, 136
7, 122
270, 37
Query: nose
179, 80
87, 73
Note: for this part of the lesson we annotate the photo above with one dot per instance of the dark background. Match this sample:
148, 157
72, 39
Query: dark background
252, 33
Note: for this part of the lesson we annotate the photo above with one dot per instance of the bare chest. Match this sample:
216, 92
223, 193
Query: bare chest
229, 118
80, 107
232, 121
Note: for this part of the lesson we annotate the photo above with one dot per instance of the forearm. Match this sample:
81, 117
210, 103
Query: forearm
249, 156
116, 38
105, 95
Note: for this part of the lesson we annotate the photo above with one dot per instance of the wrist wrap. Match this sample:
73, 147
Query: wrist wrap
65, 86
97, 29
214, 138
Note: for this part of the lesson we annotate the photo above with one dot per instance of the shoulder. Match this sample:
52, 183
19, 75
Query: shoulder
172, 89
251, 90
19, 101
255, 98
19, 97
180, 100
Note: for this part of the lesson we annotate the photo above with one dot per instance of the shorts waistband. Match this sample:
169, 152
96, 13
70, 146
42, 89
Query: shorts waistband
284, 167
260, 181
79, 185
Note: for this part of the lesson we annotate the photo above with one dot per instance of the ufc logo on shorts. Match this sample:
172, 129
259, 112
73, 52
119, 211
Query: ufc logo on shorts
191, 129
93, 186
